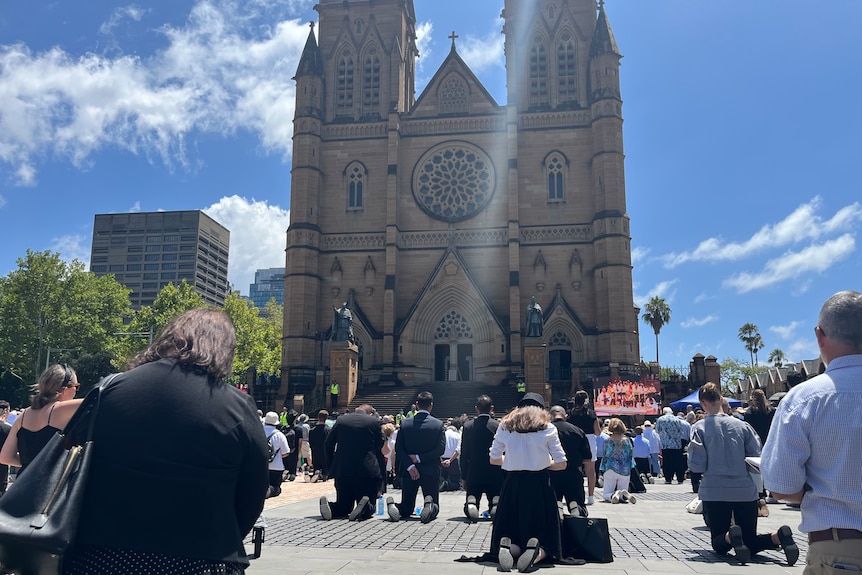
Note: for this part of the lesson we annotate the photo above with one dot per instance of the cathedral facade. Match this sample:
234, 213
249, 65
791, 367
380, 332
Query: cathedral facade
438, 217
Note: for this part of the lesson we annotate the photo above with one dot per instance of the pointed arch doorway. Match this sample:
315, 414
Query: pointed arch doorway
453, 349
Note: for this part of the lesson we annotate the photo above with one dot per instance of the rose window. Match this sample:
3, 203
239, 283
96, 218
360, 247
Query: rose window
453, 324
453, 181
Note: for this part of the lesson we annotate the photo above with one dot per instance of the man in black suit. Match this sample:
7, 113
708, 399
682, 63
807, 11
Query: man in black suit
317, 440
478, 475
569, 483
418, 448
353, 451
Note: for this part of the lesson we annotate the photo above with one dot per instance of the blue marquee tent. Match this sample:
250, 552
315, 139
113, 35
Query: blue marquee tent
692, 400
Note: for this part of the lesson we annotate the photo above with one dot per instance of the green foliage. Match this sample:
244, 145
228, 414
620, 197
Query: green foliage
49, 304
750, 336
734, 369
258, 339
777, 357
656, 314
171, 302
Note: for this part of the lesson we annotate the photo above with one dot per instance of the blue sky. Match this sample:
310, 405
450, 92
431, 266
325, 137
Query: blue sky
742, 130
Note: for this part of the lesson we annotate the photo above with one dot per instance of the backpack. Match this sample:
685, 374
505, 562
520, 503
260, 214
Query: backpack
272, 452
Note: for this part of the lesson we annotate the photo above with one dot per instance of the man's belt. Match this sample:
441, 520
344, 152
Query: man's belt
834, 535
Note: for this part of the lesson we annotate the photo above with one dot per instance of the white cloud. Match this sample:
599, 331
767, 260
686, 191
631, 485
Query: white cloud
662, 290
73, 247
785, 331
423, 42
2, 201
813, 259
702, 297
121, 14
694, 322
136, 207
803, 224
639, 254
221, 72
486, 52
257, 236
803, 348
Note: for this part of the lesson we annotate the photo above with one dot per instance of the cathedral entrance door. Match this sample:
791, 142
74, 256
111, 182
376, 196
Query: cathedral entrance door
441, 362
560, 365
465, 362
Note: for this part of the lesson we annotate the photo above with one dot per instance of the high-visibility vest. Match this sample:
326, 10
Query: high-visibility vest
522, 387
333, 389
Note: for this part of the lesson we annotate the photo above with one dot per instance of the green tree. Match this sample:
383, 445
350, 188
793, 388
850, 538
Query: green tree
51, 310
657, 314
776, 357
734, 369
254, 343
750, 336
150, 320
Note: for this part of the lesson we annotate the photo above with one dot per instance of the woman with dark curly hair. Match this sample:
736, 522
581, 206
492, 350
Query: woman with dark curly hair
175, 444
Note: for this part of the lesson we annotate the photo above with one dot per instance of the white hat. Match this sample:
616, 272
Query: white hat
647, 423
271, 418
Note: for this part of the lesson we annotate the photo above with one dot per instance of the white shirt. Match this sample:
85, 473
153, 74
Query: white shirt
527, 451
279, 443
453, 443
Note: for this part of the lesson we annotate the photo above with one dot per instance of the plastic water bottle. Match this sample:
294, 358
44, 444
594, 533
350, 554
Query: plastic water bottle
380, 505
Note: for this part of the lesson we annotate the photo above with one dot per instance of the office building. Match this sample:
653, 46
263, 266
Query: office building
268, 284
146, 251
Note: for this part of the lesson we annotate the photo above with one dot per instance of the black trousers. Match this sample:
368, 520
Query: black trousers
718, 515
429, 481
349, 490
673, 463
450, 477
490, 490
569, 484
642, 464
275, 480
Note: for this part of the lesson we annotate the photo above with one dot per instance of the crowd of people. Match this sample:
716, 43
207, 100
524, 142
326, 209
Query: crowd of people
530, 465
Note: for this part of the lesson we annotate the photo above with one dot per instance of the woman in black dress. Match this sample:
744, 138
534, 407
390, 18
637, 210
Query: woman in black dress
527, 523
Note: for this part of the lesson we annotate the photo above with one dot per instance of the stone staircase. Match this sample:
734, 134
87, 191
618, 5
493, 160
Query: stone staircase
451, 399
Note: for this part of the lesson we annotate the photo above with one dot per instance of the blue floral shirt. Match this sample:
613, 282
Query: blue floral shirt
672, 430
617, 456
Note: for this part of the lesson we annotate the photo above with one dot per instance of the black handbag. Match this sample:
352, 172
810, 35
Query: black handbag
586, 538
40, 510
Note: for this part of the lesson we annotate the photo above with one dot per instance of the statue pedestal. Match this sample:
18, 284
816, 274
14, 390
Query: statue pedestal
344, 369
535, 368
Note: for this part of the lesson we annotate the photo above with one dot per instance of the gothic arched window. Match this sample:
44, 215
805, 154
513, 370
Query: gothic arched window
567, 76
453, 326
538, 71
356, 178
371, 82
344, 84
555, 169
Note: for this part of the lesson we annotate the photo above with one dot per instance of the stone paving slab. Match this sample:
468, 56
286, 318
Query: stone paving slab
654, 536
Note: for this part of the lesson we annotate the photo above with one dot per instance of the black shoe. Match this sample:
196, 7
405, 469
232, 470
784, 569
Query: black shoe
325, 509
360, 509
743, 555
504, 556
471, 509
392, 510
527, 560
785, 538
427, 513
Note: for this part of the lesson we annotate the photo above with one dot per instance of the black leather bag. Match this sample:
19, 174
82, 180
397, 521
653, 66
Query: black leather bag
586, 538
39, 512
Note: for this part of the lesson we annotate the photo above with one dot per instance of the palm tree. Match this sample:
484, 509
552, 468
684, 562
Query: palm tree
657, 314
777, 357
750, 336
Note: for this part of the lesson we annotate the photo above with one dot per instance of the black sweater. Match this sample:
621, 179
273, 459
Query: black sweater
179, 466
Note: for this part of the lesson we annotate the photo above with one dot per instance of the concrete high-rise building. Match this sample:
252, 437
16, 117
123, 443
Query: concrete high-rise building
146, 251
438, 219
268, 284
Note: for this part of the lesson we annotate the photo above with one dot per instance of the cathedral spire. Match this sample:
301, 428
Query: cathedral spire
603, 40
311, 61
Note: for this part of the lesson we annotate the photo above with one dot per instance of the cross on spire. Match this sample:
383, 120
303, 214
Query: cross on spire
453, 37
601, 4
311, 25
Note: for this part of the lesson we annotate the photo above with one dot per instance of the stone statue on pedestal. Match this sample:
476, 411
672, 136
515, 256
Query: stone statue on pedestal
535, 319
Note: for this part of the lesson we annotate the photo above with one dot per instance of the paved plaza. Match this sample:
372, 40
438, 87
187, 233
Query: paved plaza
656, 535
